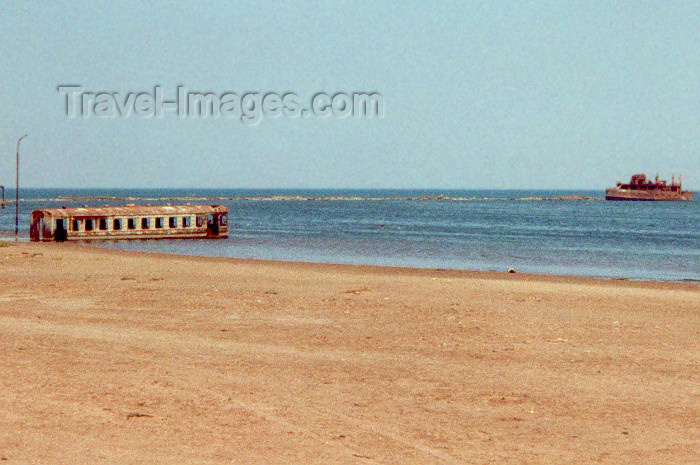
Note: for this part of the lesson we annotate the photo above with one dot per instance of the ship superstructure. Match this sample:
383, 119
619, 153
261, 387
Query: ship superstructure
640, 188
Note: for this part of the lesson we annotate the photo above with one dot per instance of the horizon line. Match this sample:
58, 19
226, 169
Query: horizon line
602, 189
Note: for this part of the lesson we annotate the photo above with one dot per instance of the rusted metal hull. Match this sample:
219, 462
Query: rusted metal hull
648, 195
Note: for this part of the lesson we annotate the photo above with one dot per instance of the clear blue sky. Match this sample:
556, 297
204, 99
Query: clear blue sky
477, 94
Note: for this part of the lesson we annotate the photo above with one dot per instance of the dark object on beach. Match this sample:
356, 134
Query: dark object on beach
511, 270
639, 188
129, 222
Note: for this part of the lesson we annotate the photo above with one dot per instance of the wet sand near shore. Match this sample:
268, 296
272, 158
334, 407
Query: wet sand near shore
128, 358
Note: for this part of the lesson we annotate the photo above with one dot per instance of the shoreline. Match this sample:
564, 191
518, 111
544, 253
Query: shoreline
114, 356
467, 272
378, 268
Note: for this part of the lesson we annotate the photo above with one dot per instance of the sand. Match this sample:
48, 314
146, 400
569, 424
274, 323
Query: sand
128, 358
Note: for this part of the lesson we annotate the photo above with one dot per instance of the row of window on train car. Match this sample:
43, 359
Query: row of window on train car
118, 224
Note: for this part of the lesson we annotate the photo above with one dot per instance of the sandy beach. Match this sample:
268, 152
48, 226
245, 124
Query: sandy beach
130, 358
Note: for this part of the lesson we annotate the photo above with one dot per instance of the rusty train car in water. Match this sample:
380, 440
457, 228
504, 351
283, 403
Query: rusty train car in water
129, 222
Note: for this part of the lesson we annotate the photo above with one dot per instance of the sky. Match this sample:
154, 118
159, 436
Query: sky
551, 94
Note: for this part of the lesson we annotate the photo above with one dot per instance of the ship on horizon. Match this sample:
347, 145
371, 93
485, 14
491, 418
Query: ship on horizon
639, 188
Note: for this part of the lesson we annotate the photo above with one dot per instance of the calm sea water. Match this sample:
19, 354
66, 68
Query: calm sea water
485, 230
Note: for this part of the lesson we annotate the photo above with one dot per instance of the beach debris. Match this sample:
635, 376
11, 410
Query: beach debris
33, 254
138, 415
357, 291
511, 270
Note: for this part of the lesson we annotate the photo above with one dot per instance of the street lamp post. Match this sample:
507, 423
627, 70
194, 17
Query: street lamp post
17, 187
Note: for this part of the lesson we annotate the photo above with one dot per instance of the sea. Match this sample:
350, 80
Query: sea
562, 232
